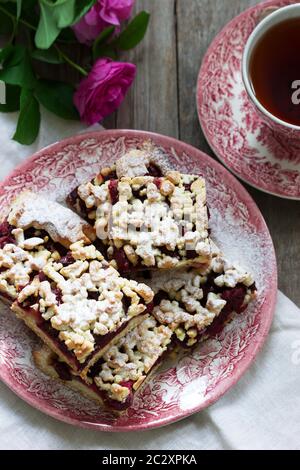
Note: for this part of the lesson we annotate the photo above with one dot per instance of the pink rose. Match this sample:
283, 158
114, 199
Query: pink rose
103, 14
103, 90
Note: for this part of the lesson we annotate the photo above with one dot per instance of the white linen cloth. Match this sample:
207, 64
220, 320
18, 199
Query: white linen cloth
261, 412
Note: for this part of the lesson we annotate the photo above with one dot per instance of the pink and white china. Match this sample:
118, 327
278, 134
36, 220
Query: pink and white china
275, 17
199, 377
253, 145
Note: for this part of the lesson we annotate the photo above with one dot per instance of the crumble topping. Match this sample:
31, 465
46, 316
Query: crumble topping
20, 260
132, 164
132, 358
194, 298
63, 225
137, 162
86, 298
155, 222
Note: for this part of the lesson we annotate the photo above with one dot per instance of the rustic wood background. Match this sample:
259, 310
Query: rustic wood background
163, 100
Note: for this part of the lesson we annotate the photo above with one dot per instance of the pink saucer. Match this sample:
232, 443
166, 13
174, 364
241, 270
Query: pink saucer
203, 375
233, 129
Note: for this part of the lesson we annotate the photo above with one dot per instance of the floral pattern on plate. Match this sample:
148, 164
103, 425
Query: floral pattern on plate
201, 376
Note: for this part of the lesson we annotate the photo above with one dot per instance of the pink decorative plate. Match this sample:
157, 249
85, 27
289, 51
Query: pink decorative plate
200, 377
233, 129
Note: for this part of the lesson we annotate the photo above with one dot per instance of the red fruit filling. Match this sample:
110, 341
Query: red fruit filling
42, 276
122, 260
128, 384
157, 182
235, 298
154, 170
150, 307
5, 229
74, 200
58, 295
110, 176
113, 191
63, 370
67, 260
5, 234
6, 240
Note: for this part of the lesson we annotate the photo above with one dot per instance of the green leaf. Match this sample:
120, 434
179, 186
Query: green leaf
54, 17
51, 56
12, 99
81, 8
99, 43
134, 32
29, 118
19, 8
17, 69
57, 97
64, 13
48, 29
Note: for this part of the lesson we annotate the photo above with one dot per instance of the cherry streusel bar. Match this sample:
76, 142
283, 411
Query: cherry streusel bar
63, 289
35, 231
150, 222
121, 371
198, 301
80, 305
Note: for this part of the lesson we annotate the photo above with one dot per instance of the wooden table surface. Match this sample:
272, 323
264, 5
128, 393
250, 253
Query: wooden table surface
163, 100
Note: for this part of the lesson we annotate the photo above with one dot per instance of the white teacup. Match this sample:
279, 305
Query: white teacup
271, 20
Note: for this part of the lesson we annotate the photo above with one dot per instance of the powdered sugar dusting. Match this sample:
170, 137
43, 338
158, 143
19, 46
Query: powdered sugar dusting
32, 210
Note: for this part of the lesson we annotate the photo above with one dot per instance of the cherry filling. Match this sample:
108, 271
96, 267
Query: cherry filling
42, 277
5, 234
67, 260
74, 200
112, 175
150, 307
157, 182
126, 301
5, 228
58, 294
235, 298
63, 370
154, 170
113, 191
122, 260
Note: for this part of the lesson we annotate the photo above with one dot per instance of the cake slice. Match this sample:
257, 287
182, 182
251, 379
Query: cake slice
121, 371
35, 231
80, 305
150, 222
147, 160
198, 302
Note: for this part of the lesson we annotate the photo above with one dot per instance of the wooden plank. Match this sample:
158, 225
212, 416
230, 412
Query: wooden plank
152, 102
198, 21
